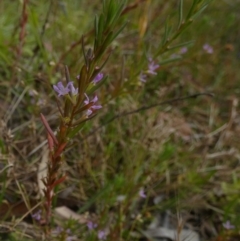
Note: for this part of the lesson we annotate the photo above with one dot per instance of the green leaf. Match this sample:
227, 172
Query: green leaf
110, 11
167, 61
181, 30
83, 51
110, 37
75, 130
105, 44
166, 32
116, 15
180, 13
96, 22
199, 11
195, 2
82, 84
100, 27
118, 31
67, 74
104, 6
181, 45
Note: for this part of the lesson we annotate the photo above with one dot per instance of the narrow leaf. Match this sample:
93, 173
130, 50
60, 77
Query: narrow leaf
96, 25
199, 11
50, 142
48, 128
60, 150
192, 9
116, 16
100, 28
167, 61
75, 130
83, 51
180, 13
181, 45
82, 84
119, 31
165, 36
67, 74
60, 180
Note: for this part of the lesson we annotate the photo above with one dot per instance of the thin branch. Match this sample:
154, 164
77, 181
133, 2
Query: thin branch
37, 47
143, 108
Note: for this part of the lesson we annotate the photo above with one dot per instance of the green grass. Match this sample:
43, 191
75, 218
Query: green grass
185, 153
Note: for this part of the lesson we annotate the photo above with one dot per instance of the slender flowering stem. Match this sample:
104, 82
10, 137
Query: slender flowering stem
77, 107
58, 143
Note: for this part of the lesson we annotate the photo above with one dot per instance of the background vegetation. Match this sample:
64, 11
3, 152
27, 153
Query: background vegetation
177, 162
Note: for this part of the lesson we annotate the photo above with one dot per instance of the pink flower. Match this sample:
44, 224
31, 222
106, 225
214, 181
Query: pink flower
60, 89
37, 215
97, 78
228, 225
152, 66
142, 77
102, 235
208, 48
142, 193
93, 106
91, 225
183, 50
72, 89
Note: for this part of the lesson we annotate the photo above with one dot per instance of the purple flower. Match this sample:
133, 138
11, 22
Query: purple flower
142, 77
152, 66
102, 235
60, 89
58, 230
97, 78
72, 89
208, 48
142, 193
91, 225
37, 215
228, 225
92, 107
70, 238
183, 50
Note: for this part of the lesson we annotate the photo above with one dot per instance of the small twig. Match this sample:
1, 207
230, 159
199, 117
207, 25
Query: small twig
26, 214
5, 168
132, 6
23, 23
37, 48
